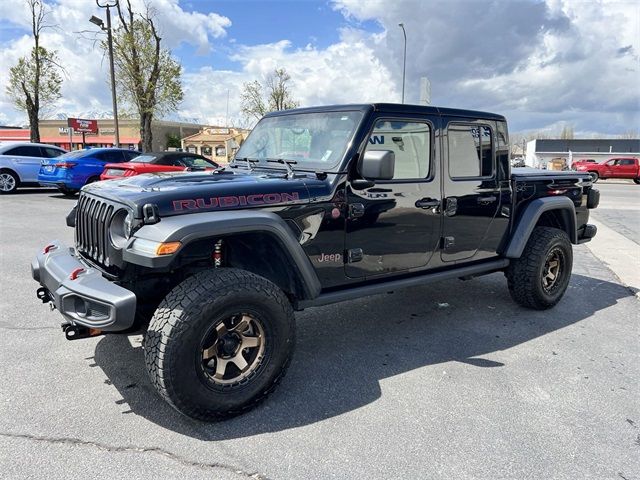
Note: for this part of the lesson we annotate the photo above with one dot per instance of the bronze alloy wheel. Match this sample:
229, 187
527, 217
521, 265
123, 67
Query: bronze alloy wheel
233, 349
553, 269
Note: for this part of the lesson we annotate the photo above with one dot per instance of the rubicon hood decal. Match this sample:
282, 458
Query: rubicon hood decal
232, 201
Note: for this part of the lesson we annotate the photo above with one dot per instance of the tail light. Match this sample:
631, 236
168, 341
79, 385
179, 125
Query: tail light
64, 164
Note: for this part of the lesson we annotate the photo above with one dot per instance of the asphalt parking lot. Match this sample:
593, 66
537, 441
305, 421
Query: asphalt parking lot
451, 380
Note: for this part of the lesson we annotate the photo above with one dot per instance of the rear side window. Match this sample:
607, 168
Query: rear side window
51, 152
409, 141
109, 156
470, 151
627, 161
25, 151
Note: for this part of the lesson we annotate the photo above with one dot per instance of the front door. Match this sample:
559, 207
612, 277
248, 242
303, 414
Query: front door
394, 226
471, 190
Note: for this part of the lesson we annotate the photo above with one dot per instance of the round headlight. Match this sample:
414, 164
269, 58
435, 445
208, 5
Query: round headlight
127, 225
120, 228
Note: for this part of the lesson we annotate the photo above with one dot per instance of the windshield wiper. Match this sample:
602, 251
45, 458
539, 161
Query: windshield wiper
251, 162
286, 163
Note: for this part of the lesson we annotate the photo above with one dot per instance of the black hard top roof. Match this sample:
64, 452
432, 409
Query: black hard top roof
401, 108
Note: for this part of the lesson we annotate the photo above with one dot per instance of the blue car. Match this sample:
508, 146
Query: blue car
71, 171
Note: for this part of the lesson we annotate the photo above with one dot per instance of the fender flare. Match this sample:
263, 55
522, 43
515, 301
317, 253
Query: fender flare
195, 226
529, 218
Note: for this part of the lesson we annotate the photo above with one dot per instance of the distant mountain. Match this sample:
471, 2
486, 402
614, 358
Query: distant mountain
108, 114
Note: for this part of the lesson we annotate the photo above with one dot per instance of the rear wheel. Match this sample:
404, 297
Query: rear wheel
636, 181
219, 343
539, 278
8, 181
594, 176
67, 192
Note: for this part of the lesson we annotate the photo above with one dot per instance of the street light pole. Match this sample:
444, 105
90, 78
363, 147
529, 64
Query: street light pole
108, 5
404, 58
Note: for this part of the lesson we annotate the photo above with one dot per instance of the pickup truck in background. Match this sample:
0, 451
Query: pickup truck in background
321, 205
627, 167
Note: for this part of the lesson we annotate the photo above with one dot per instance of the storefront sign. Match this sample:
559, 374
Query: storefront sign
83, 126
107, 131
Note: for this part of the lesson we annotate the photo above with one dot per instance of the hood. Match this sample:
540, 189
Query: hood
177, 193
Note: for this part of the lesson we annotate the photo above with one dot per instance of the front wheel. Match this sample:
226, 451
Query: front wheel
219, 343
595, 176
539, 278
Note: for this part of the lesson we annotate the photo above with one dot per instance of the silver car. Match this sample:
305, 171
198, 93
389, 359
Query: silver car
20, 163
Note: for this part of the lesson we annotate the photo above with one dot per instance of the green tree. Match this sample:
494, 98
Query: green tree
147, 76
34, 82
173, 140
274, 94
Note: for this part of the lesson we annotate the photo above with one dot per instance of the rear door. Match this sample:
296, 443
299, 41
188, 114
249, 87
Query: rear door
394, 226
627, 168
26, 159
471, 189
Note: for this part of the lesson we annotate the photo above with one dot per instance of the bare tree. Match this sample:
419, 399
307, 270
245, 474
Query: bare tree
567, 132
146, 74
34, 82
274, 95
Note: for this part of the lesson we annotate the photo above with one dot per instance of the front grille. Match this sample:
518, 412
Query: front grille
93, 216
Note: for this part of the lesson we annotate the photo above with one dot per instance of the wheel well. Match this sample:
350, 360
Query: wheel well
6, 169
256, 252
559, 218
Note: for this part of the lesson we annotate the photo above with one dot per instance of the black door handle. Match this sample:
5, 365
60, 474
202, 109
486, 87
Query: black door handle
487, 199
427, 203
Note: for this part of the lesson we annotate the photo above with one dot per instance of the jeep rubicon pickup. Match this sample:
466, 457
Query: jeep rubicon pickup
320, 205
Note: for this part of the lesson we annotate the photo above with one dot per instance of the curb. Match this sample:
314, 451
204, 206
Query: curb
618, 253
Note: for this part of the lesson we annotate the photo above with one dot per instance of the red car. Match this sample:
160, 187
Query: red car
158, 162
613, 168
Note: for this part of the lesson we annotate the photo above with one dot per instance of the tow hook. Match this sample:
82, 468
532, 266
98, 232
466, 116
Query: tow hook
44, 295
77, 332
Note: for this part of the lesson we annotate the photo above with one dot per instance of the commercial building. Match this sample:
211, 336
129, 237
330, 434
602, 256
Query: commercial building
56, 132
217, 143
551, 153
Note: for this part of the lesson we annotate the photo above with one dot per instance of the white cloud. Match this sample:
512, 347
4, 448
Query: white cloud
539, 63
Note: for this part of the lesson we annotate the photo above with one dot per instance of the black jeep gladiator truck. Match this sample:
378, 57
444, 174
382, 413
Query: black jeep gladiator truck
320, 205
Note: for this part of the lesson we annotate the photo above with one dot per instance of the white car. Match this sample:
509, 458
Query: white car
20, 163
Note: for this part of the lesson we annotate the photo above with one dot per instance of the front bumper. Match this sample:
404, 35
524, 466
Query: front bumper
89, 299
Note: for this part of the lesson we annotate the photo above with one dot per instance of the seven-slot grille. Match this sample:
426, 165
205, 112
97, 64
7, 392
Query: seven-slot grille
93, 216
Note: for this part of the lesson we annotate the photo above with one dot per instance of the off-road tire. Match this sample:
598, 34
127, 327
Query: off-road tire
525, 274
595, 176
173, 340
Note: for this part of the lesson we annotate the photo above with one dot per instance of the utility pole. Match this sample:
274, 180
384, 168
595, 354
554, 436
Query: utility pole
108, 4
404, 58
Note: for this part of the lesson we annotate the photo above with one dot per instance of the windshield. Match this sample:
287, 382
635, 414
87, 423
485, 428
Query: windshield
311, 140
75, 154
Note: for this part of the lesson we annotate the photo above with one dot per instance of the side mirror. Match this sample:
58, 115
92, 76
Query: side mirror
378, 165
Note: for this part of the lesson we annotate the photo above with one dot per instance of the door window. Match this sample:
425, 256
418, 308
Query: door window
25, 151
110, 156
470, 151
409, 141
627, 161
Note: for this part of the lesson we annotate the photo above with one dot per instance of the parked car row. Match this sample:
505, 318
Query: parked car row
34, 164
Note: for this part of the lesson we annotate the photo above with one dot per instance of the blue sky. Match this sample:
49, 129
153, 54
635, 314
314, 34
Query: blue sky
542, 63
302, 22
